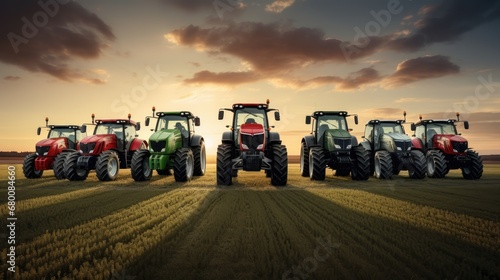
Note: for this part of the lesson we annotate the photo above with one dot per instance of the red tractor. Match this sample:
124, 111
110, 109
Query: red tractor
51, 152
445, 149
110, 148
250, 145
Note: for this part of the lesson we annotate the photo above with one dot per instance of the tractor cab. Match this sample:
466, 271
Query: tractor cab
331, 131
387, 135
441, 135
179, 125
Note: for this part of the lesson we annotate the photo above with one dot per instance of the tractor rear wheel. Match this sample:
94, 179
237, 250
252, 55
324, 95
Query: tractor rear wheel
474, 170
107, 166
200, 159
59, 166
361, 163
436, 164
224, 168
183, 165
139, 165
279, 171
304, 160
29, 167
71, 170
382, 165
418, 168
317, 164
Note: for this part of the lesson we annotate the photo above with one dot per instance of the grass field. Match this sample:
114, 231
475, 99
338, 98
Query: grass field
337, 229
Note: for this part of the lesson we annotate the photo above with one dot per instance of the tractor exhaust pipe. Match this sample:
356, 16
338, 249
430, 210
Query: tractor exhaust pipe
93, 118
458, 116
46, 121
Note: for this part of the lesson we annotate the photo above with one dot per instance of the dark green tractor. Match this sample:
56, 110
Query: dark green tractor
330, 144
172, 146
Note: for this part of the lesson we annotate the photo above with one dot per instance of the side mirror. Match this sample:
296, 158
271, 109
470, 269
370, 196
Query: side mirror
413, 127
277, 115
38, 131
196, 121
466, 124
84, 128
146, 121
356, 119
221, 115
308, 119
137, 126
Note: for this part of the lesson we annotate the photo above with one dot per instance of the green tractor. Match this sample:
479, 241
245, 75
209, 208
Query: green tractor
391, 150
173, 145
330, 144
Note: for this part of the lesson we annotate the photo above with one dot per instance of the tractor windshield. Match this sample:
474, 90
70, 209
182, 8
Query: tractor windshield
173, 122
109, 128
441, 128
392, 128
62, 132
332, 122
250, 115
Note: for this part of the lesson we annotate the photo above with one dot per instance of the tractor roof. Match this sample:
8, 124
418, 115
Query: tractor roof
179, 113
424, 122
251, 105
77, 127
118, 121
322, 113
386, 121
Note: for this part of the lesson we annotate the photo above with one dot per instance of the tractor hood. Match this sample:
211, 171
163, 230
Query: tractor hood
338, 133
165, 141
97, 138
395, 142
51, 146
450, 137
398, 137
61, 141
450, 143
95, 144
251, 129
337, 140
162, 135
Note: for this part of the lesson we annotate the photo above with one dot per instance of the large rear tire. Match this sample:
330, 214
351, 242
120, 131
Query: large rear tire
418, 165
436, 164
474, 170
183, 165
382, 165
224, 168
29, 167
59, 166
139, 165
279, 171
361, 163
71, 170
304, 160
317, 164
107, 166
200, 159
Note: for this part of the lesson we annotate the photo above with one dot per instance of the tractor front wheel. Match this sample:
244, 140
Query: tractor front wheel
361, 163
183, 165
200, 159
418, 169
304, 160
107, 166
317, 163
224, 168
382, 165
59, 166
71, 170
279, 171
474, 170
436, 164
29, 167
139, 166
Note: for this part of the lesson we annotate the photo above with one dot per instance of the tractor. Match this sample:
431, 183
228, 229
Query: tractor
250, 145
391, 150
110, 148
330, 144
445, 149
51, 152
173, 145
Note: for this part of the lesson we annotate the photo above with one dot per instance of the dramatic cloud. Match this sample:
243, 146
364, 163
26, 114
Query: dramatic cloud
191, 5
225, 78
11, 78
279, 5
45, 36
421, 68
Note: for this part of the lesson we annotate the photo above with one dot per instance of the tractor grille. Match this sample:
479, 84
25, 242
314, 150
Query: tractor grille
252, 141
157, 146
40, 150
87, 147
403, 145
459, 146
343, 143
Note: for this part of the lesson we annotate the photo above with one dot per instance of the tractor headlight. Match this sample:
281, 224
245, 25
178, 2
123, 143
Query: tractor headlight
349, 146
244, 146
455, 151
81, 151
399, 148
337, 146
260, 147
91, 151
162, 150
46, 153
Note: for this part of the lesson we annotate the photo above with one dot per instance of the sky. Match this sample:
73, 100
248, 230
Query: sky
68, 59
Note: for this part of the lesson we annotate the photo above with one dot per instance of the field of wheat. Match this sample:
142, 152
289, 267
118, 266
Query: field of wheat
336, 229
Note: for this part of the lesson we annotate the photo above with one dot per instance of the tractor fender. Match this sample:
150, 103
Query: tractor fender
417, 144
227, 137
137, 143
354, 141
196, 140
365, 145
274, 138
309, 140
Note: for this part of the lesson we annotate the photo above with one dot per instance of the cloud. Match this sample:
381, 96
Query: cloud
12, 78
421, 68
223, 78
277, 6
49, 39
191, 5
